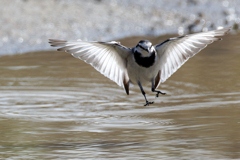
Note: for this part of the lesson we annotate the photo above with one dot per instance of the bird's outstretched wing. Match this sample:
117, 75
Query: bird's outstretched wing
174, 52
109, 58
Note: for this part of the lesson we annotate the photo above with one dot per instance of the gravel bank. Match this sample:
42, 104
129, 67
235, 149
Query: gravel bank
26, 25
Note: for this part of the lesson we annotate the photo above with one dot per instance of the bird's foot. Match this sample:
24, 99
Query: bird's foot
147, 103
159, 92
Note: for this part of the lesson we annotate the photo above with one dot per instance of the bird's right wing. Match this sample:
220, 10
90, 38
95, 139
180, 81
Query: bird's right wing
174, 52
109, 58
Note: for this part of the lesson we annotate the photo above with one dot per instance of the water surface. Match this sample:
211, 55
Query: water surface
53, 106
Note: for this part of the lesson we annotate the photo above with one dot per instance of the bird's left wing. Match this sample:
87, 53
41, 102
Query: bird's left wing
174, 52
109, 58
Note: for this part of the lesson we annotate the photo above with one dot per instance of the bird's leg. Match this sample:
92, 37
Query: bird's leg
147, 103
158, 92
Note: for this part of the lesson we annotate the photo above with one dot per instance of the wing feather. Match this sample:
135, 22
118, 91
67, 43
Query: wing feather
174, 52
109, 58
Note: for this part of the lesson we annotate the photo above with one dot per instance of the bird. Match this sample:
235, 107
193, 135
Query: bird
143, 64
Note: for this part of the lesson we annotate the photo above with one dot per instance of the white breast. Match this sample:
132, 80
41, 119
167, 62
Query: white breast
138, 73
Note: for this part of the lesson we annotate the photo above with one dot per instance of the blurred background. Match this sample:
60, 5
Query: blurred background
54, 106
26, 25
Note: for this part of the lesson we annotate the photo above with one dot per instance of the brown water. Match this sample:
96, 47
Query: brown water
53, 106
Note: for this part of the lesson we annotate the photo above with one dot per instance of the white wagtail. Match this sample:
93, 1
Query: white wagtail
142, 64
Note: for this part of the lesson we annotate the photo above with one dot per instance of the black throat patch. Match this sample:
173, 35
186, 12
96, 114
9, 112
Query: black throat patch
144, 61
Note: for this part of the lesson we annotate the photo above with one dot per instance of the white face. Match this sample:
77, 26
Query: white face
145, 47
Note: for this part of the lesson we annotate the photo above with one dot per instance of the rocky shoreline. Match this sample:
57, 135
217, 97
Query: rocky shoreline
28, 24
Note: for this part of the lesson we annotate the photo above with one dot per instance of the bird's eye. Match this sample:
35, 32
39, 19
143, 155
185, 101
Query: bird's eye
142, 47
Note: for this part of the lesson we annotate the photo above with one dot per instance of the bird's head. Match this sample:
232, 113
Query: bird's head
145, 48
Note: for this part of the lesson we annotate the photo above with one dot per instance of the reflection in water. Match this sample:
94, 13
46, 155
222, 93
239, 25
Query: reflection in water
54, 106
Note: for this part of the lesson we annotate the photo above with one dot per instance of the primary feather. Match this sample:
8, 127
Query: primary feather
174, 52
109, 58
